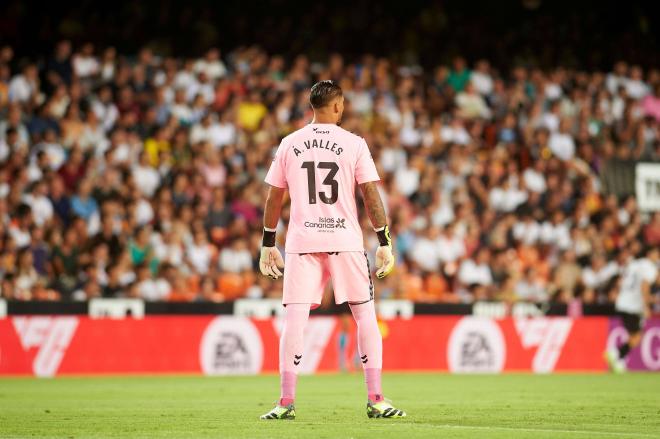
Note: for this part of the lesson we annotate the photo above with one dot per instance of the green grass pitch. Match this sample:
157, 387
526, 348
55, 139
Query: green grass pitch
333, 406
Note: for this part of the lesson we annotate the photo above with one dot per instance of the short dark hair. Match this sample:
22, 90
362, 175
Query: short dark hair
323, 92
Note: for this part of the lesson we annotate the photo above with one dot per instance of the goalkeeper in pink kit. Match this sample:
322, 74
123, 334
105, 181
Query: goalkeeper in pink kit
320, 165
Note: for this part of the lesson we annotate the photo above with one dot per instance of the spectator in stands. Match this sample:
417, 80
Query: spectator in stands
132, 172
530, 288
150, 287
476, 271
83, 204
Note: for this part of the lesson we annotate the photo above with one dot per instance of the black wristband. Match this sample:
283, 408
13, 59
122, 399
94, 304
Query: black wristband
384, 237
268, 239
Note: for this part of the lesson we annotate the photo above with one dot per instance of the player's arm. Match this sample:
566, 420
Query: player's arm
273, 206
376, 212
271, 260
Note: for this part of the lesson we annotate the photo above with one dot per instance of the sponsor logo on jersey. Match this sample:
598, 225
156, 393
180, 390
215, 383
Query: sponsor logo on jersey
317, 130
326, 223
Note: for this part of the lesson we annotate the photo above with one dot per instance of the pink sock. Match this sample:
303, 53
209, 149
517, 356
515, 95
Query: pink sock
370, 346
291, 349
287, 388
374, 390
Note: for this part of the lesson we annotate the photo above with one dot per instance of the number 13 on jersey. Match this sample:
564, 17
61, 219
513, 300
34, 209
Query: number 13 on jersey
328, 181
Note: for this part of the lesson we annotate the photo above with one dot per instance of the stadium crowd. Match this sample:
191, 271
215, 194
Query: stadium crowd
142, 176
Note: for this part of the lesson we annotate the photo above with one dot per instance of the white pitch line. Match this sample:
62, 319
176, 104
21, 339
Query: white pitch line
528, 430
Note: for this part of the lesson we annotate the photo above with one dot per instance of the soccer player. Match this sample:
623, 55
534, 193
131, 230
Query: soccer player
320, 165
633, 304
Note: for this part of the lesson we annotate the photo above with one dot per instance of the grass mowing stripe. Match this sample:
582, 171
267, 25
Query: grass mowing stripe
528, 430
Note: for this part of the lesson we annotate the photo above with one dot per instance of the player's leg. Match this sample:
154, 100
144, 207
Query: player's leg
634, 339
304, 280
617, 358
351, 280
291, 349
370, 347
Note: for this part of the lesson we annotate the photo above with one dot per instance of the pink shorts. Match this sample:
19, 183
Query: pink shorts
306, 274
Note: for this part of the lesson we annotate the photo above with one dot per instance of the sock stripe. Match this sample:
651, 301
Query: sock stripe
371, 283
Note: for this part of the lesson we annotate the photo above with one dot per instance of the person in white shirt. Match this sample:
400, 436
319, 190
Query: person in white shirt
13, 120
236, 258
550, 119
360, 98
25, 86
200, 131
42, 208
599, 273
450, 247
186, 77
393, 158
455, 132
85, 63
406, 180
442, 209
527, 230
93, 135
556, 231
168, 248
211, 65
199, 254
617, 78
150, 288
481, 78
635, 86
506, 198
530, 288
19, 230
471, 104
552, 89
204, 87
224, 132
619, 104
633, 303
476, 270
424, 251
180, 109
534, 177
561, 143
105, 109
146, 178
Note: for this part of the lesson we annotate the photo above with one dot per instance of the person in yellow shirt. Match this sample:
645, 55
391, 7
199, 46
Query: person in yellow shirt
251, 112
156, 144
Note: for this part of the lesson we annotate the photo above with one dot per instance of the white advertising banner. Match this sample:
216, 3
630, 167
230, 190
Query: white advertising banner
647, 186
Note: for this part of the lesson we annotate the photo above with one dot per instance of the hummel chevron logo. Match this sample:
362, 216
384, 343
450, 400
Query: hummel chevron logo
297, 358
364, 359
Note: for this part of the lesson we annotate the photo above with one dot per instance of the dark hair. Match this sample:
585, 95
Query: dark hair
323, 92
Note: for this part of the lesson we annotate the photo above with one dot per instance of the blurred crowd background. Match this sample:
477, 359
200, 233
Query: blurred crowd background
132, 165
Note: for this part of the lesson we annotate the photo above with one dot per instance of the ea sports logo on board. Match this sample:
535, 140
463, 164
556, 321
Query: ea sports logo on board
231, 346
476, 345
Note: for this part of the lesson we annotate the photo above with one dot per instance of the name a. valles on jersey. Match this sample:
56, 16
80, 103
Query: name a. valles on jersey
318, 144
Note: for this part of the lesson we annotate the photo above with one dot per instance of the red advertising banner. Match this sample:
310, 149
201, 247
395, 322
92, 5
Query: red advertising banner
60, 345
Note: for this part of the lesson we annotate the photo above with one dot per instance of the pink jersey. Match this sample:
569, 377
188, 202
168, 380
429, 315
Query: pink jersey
320, 165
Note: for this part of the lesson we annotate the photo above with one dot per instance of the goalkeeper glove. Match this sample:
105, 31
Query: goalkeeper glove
270, 261
384, 255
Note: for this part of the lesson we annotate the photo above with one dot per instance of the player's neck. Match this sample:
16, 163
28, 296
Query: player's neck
322, 118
